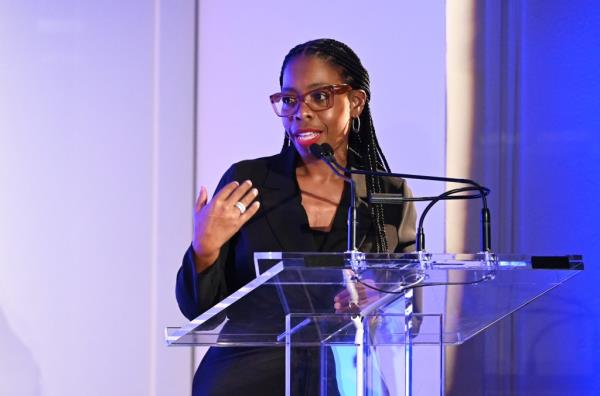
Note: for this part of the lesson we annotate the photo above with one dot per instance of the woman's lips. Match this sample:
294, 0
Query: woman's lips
306, 138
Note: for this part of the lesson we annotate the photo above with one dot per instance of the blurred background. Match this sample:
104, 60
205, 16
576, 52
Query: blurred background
112, 115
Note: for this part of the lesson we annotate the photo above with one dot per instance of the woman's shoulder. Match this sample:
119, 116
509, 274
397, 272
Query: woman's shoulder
256, 163
393, 184
389, 185
256, 169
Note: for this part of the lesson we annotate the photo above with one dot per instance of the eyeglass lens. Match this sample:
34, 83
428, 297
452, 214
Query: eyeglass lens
317, 100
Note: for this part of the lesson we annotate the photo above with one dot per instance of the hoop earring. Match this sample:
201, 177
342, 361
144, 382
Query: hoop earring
356, 124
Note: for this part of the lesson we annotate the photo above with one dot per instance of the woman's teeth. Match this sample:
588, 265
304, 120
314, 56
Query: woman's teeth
306, 135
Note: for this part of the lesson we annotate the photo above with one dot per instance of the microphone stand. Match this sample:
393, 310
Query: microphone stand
356, 258
326, 151
328, 158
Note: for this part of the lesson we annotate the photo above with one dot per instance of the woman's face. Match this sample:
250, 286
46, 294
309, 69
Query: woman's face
306, 126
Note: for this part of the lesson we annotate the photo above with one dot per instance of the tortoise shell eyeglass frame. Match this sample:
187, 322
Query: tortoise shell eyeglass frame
318, 99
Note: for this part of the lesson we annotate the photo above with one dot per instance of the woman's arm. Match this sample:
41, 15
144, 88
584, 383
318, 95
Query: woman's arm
198, 291
201, 278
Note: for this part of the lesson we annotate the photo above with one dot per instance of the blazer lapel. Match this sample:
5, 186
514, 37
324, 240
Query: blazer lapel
282, 205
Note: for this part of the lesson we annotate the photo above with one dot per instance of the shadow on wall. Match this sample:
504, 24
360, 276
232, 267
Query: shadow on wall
19, 373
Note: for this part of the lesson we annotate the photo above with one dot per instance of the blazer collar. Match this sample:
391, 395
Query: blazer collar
283, 207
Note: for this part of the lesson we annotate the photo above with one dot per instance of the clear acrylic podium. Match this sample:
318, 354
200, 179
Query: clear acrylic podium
394, 343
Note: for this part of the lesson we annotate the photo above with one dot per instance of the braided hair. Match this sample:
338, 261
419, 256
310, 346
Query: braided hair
364, 142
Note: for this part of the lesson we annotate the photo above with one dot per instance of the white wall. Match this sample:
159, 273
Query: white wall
96, 161
96, 124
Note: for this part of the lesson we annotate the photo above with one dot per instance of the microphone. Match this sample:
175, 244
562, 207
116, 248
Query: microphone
323, 151
326, 151
319, 152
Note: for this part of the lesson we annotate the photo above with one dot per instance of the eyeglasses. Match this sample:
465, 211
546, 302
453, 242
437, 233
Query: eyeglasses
319, 99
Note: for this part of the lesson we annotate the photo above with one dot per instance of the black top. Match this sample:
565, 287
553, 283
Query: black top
320, 238
335, 240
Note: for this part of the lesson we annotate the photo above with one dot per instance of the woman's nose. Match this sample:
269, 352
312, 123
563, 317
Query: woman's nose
303, 111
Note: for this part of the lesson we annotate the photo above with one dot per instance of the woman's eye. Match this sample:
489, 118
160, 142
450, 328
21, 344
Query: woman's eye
288, 100
320, 96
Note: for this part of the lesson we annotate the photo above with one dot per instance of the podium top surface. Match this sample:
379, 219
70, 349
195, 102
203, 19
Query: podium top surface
446, 298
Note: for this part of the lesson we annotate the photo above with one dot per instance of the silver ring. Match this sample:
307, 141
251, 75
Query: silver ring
240, 206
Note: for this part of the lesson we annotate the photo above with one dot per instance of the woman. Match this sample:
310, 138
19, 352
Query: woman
291, 202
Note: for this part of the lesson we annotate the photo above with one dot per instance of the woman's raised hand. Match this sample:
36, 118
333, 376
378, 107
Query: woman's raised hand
215, 222
361, 296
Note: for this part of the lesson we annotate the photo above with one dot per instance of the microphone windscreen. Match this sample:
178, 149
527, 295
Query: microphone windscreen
316, 150
326, 150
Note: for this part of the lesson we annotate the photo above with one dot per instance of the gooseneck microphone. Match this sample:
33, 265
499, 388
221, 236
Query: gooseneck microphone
325, 152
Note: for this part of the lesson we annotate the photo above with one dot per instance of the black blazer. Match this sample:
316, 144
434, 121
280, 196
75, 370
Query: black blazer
281, 224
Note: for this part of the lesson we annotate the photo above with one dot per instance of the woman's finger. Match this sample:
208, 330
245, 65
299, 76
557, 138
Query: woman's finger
251, 211
226, 191
202, 198
237, 194
342, 296
346, 307
250, 196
